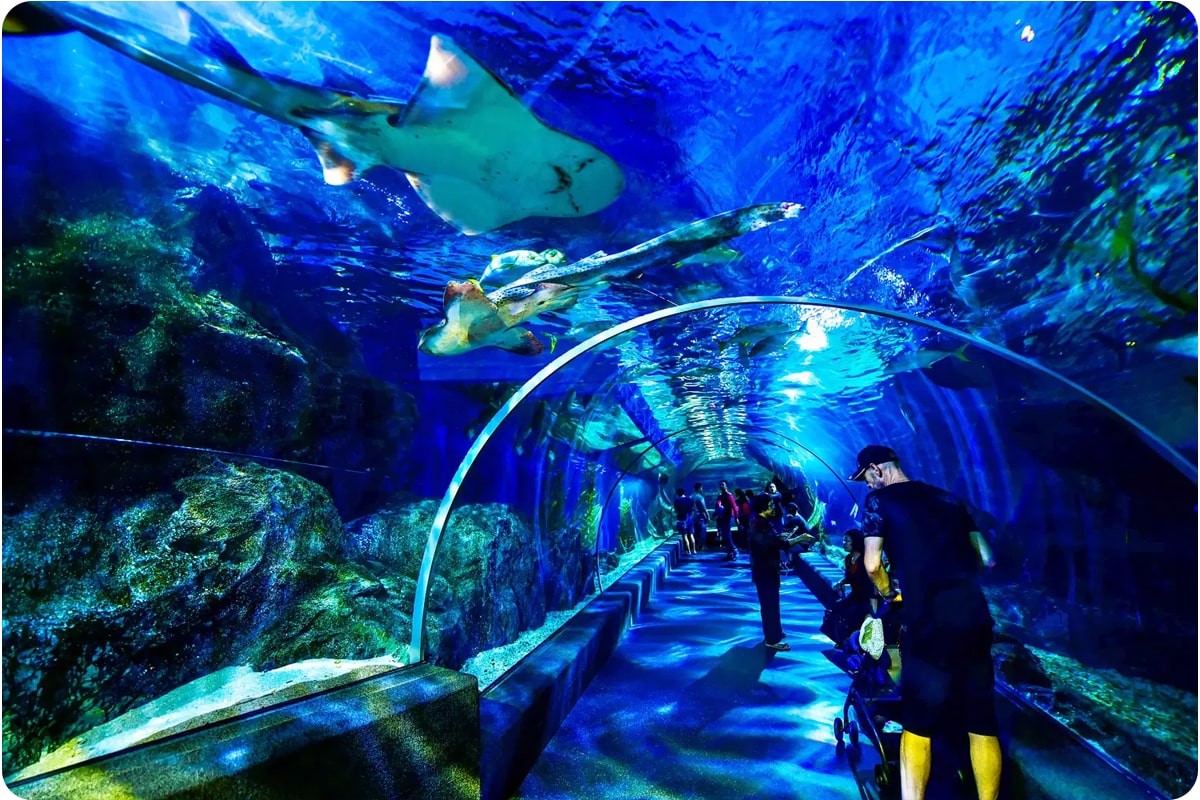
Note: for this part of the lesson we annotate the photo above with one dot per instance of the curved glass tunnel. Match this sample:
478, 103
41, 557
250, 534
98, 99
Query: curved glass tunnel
235, 483
569, 482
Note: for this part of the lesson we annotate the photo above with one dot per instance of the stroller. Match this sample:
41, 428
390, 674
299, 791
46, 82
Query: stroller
871, 656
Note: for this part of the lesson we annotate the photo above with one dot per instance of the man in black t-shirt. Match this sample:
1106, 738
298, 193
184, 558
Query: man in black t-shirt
935, 551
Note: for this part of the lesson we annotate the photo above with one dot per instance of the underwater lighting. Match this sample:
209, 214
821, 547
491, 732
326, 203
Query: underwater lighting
805, 378
813, 339
424, 577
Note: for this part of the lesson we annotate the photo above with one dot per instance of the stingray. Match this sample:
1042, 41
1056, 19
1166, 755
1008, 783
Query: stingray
472, 151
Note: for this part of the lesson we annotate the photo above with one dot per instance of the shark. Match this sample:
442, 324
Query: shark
472, 318
673, 246
472, 151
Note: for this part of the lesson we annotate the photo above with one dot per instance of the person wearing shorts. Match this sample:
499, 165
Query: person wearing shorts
935, 551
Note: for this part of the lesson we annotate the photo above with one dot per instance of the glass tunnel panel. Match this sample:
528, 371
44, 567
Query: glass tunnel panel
528, 539
236, 472
580, 475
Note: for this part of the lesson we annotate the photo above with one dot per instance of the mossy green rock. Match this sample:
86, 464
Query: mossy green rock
124, 348
491, 580
109, 603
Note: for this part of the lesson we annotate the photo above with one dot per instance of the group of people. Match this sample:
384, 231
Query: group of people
929, 543
768, 527
692, 518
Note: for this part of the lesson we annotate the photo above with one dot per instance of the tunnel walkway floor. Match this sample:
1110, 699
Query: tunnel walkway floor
692, 705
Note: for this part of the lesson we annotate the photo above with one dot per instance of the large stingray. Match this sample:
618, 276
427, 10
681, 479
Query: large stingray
476, 156
471, 319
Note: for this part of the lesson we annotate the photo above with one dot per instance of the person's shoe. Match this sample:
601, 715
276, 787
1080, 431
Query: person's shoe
778, 646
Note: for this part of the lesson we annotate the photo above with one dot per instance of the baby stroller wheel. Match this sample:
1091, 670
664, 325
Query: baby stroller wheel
853, 730
837, 729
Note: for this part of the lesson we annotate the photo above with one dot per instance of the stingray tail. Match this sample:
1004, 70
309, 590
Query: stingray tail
208, 62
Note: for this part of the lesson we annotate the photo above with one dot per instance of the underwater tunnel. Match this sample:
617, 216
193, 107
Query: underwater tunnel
350, 473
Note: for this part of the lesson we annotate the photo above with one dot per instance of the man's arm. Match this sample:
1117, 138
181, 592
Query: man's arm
873, 561
983, 549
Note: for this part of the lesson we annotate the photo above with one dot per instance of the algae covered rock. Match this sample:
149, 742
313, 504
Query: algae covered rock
111, 602
114, 343
488, 583
136, 354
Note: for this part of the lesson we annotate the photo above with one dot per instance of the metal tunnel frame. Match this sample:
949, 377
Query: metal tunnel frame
416, 647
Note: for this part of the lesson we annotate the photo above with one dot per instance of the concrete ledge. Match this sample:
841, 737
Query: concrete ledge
522, 711
820, 575
412, 733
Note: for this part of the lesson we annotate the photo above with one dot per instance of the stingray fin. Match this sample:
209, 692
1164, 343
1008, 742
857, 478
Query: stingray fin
203, 37
334, 77
507, 163
338, 169
516, 340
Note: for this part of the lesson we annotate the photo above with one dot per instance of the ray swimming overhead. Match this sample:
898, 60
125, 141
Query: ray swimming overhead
471, 319
470, 149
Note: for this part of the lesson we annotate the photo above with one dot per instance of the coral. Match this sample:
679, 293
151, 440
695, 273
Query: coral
493, 578
626, 534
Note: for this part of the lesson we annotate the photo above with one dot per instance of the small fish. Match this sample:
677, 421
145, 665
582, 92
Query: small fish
959, 373
712, 257
698, 291
749, 335
923, 358
770, 344
502, 266
586, 330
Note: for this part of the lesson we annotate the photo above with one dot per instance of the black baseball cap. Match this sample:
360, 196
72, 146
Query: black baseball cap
873, 454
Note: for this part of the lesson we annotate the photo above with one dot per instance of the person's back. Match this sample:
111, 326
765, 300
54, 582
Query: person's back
929, 546
765, 542
683, 520
726, 504
683, 507
935, 550
699, 517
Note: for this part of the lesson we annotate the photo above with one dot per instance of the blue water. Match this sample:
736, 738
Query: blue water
1021, 173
